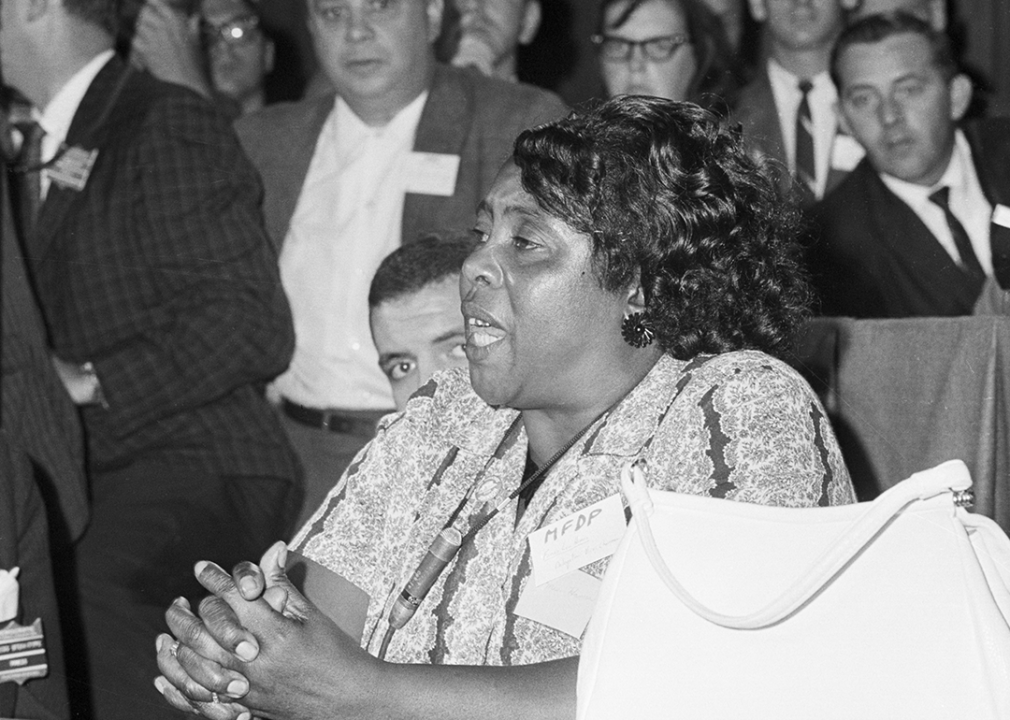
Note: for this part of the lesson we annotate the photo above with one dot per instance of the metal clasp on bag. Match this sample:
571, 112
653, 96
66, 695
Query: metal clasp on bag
964, 498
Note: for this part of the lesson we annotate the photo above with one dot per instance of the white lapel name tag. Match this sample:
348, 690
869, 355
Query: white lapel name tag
577, 540
846, 153
431, 173
566, 604
9, 591
1001, 216
73, 168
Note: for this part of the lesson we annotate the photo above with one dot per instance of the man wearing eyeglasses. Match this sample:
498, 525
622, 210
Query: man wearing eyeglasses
239, 54
405, 147
787, 111
217, 48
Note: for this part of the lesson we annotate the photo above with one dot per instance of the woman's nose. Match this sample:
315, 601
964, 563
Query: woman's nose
480, 268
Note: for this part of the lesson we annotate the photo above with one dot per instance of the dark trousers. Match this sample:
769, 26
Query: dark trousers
324, 455
149, 524
24, 542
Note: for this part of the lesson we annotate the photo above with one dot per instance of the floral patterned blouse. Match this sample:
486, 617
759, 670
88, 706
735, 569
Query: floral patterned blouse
741, 426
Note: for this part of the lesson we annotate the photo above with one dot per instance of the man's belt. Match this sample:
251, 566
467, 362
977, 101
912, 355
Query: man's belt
333, 420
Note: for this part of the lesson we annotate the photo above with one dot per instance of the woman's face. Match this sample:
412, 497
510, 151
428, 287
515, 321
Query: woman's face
639, 75
540, 331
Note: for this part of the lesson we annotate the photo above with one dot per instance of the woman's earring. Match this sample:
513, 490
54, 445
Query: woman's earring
636, 331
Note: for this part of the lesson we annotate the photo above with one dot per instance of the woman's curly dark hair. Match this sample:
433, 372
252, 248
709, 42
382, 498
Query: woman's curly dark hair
667, 193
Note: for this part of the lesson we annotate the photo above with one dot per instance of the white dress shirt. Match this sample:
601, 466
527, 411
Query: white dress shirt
967, 203
57, 116
821, 99
347, 219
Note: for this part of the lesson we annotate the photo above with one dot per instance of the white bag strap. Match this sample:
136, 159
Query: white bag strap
950, 476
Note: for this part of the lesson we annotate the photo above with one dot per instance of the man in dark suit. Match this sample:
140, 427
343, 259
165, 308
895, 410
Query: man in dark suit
921, 224
404, 148
165, 315
787, 110
41, 459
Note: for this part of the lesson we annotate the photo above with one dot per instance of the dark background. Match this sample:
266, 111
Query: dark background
562, 59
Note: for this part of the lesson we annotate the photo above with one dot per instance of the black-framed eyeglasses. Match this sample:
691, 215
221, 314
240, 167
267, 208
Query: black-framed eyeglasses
657, 49
236, 31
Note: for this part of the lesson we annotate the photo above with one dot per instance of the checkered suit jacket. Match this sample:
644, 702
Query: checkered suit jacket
160, 273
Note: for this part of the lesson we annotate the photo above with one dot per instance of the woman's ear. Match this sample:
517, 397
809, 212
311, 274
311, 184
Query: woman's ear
635, 299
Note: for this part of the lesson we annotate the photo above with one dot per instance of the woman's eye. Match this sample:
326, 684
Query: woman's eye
479, 234
522, 243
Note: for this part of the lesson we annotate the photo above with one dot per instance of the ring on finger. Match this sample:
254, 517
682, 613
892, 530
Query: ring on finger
214, 698
174, 650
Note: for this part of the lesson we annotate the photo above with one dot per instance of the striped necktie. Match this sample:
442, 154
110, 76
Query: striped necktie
806, 169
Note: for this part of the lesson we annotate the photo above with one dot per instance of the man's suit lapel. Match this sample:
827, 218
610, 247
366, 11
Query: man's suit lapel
762, 123
290, 161
89, 130
992, 164
917, 258
448, 106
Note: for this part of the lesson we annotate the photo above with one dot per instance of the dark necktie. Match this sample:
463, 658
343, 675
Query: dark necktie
28, 183
806, 170
969, 262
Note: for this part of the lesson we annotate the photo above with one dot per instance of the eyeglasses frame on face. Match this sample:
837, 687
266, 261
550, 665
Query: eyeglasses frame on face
247, 26
656, 49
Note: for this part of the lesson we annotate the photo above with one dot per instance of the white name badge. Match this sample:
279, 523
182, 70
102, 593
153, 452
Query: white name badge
431, 173
846, 153
566, 604
9, 590
1001, 215
73, 168
577, 540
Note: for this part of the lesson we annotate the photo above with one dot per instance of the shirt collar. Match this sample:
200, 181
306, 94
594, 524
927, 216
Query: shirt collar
57, 116
407, 117
780, 77
955, 176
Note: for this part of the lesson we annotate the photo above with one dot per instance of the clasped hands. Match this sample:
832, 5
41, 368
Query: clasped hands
258, 647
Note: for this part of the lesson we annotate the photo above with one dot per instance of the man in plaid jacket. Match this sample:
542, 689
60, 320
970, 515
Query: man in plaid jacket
165, 314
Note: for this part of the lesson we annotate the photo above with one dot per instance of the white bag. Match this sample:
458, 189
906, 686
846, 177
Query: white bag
896, 608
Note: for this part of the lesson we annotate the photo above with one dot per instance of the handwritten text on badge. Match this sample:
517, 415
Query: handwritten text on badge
431, 173
577, 540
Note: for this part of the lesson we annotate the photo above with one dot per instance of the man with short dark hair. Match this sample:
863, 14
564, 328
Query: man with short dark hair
787, 109
415, 312
932, 11
405, 147
165, 314
921, 224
